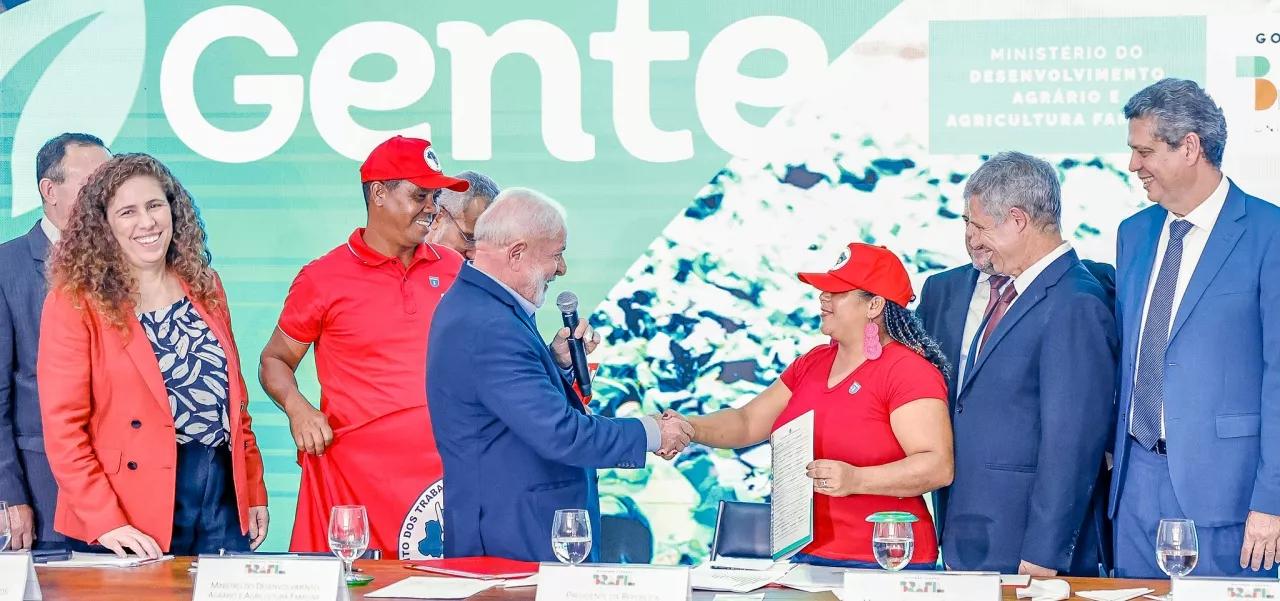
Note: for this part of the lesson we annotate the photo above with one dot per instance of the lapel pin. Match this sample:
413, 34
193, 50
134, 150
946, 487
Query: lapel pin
435, 281
855, 388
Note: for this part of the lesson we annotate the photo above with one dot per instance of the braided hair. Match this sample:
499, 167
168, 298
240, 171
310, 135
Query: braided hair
903, 325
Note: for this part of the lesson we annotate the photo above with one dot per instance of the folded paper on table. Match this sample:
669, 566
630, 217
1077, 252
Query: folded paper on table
1046, 590
102, 560
1124, 594
430, 587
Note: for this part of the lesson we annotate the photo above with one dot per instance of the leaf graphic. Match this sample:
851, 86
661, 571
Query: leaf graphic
167, 361
179, 371
203, 397
215, 386
102, 62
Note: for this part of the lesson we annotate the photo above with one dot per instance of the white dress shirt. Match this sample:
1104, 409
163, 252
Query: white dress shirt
1029, 275
1202, 220
50, 231
977, 309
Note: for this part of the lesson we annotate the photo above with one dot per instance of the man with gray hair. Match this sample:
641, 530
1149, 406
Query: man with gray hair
1032, 406
1198, 277
516, 440
459, 212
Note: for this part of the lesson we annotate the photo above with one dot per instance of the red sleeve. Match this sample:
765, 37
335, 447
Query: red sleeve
913, 378
304, 309
794, 373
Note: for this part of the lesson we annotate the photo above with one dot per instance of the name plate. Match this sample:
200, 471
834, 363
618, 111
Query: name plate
879, 585
595, 582
18, 578
1212, 589
267, 578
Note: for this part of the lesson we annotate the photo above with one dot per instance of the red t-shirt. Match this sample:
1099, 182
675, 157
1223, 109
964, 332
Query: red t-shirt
368, 317
851, 424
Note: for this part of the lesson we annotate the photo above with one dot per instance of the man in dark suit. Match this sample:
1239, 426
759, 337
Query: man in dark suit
516, 441
1198, 434
26, 484
1033, 386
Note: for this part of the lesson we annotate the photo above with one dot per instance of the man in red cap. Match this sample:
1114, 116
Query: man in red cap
367, 308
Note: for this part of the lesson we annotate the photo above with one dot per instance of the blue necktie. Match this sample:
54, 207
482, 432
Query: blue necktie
1148, 389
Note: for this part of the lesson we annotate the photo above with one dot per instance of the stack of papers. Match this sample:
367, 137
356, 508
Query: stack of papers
430, 587
814, 579
102, 560
707, 577
1117, 595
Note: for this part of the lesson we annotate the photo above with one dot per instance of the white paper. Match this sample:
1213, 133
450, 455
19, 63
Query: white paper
606, 582
708, 578
1015, 579
1046, 590
102, 560
521, 582
744, 563
813, 579
430, 587
1124, 594
791, 509
732, 597
18, 580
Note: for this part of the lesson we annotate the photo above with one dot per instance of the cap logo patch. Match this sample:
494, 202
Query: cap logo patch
844, 258
429, 156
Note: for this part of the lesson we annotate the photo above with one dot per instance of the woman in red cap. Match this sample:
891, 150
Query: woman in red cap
882, 434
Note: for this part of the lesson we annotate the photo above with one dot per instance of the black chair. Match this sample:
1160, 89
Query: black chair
742, 530
625, 540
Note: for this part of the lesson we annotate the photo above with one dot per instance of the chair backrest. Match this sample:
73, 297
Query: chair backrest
742, 530
624, 540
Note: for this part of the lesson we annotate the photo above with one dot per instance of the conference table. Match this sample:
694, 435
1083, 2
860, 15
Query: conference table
171, 580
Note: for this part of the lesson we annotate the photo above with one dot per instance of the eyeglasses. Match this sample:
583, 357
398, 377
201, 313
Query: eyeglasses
467, 238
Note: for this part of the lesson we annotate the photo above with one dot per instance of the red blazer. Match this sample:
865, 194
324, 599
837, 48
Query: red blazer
108, 429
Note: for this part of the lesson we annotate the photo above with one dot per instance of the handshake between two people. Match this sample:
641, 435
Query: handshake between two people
676, 431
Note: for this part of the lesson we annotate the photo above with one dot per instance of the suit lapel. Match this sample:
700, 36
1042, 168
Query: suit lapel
39, 246
1023, 305
138, 347
1222, 240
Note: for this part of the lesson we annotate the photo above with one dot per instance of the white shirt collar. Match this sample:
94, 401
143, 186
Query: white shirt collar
50, 230
529, 308
1023, 281
1206, 215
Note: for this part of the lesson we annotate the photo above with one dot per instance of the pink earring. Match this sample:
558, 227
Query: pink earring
871, 347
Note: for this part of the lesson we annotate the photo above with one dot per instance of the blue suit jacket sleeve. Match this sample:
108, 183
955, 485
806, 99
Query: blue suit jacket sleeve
1266, 485
517, 390
1077, 377
13, 488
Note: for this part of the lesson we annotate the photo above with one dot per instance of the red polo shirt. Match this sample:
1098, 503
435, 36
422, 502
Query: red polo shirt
368, 317
851, 424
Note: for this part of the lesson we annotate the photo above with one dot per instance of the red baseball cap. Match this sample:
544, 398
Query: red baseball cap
873, 269
409, 159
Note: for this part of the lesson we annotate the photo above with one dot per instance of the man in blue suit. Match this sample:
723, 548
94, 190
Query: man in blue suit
516, 441
1198, 300
952, 306
26, 484
1035, 391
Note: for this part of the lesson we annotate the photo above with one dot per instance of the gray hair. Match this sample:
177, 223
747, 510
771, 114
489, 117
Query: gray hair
520, 214
1014, 179
482, 188
1180, 107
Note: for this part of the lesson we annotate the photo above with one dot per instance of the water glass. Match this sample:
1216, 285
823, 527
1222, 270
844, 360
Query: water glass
1176, 547
571, 535
893, 543
5, 531
893, 539
348, 538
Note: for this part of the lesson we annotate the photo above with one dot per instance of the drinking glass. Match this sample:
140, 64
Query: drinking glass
892, 538
5, 531
1176, 548
348, 538
571, 535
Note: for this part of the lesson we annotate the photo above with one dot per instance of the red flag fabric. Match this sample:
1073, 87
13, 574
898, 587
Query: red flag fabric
388, 464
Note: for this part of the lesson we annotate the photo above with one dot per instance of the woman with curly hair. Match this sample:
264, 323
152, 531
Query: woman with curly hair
144, 408
882, 433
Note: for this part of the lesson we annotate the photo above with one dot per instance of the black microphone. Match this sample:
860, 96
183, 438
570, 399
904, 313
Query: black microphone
568, 303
